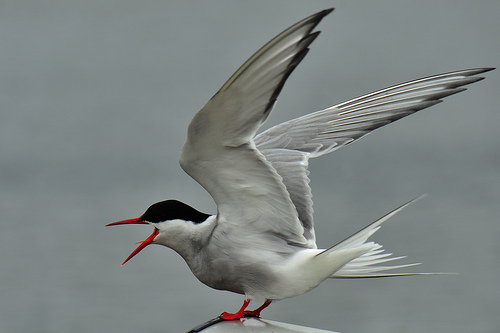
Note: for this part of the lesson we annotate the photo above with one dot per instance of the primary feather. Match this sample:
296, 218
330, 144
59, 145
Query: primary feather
288, 146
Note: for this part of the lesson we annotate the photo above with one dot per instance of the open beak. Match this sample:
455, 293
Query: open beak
144, 243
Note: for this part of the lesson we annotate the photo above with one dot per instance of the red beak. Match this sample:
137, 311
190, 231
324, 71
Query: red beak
129, 221
144, 243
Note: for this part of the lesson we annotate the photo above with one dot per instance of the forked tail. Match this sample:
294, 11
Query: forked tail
368, 265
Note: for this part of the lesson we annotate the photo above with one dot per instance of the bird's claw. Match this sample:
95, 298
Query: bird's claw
251, 313
230, 316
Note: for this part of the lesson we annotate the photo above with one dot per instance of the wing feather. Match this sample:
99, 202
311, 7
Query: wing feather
324, 131
220, 154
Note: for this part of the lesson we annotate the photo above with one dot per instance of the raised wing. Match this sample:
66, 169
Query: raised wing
220, 154
289, 145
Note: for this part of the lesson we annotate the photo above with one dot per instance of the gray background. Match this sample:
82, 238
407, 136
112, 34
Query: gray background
95, 100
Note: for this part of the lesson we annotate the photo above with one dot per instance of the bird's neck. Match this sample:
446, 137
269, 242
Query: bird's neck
187, 238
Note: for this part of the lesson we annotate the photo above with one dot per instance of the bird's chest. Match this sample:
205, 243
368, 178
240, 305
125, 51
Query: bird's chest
235, 271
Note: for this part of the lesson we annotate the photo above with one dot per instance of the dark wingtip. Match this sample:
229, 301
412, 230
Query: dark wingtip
316, 17
327, 11
487, 69
475, 71
319, 15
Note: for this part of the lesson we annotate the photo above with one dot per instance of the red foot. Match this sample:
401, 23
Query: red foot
237, 315
230, 316
242, 313
256, 312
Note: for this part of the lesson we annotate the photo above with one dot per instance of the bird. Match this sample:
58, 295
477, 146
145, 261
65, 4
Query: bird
261, 241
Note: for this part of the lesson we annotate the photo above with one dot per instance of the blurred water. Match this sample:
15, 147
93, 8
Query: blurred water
95, 100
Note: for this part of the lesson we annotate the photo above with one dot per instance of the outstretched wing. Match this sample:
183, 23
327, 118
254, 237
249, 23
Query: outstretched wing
220, 154
288, 146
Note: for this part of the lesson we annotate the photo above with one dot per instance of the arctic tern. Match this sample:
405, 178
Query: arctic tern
261, 242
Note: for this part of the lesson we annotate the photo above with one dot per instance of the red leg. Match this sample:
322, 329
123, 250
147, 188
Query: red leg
237, 315
256, 312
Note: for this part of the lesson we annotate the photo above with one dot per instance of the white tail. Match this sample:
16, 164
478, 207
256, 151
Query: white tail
367, 265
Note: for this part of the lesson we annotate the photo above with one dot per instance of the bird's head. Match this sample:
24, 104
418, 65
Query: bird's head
160, 215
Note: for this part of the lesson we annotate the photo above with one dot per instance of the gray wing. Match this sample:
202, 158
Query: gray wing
219, 153
288, 146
